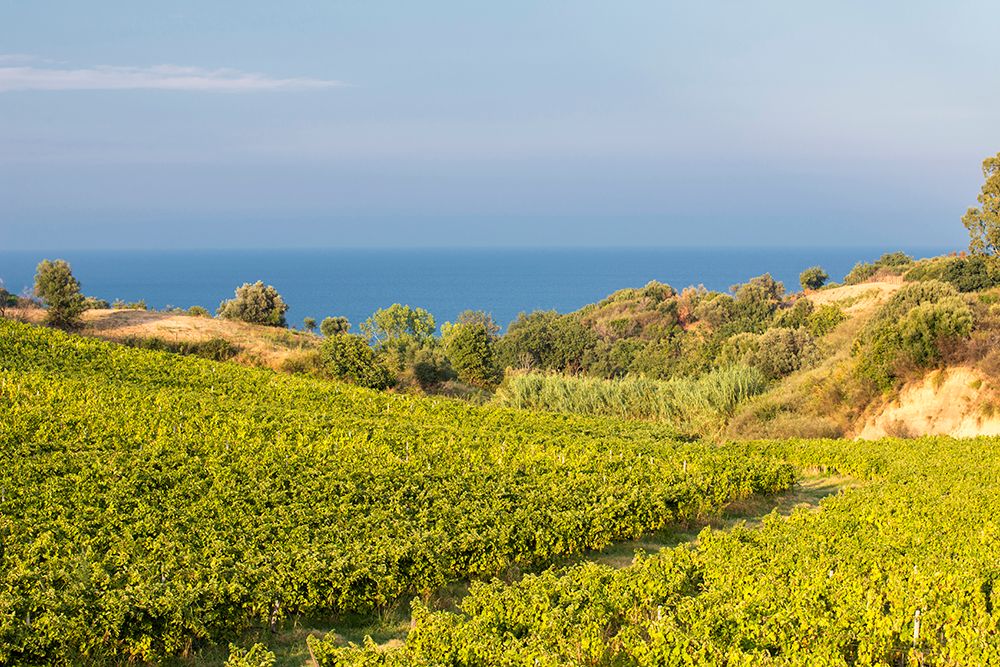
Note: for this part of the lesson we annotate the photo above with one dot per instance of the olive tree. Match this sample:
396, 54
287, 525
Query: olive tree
60, 291
255, 303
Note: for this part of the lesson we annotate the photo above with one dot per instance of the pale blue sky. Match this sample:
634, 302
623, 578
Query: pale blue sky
260, 124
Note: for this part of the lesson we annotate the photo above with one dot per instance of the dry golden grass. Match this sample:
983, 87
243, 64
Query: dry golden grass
258, 345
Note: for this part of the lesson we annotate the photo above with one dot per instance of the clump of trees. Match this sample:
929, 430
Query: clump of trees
890, 263
59, 290
255, 303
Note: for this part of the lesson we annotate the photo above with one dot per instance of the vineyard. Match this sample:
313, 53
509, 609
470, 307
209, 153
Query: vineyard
152, 504
901, 571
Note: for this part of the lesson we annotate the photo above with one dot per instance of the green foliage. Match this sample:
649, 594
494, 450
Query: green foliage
60, 291
715, 309
910, 329
690, 405
118, 304
796, 316
983, 222
756, 301
7, 300
780, 352
397, 322
899, 571
893, 263
431, 367
331, 326
150, 502
255, 656
257, 304
813, 278
470, 350
546, 340
93, 303
309, 323
824, 319
967, 274
351, 359
198, 311
216, 349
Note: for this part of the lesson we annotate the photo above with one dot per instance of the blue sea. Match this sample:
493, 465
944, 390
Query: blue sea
355, 282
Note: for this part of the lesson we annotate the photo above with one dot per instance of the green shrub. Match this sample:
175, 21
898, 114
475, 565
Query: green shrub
255, 303
216, 349
893, 263
309, 324
198, 311
331, 326
546, 340
470, 350
431, 367
796, 316
60, 291
813, 278
737, 349
757, 300
717, 310
93, 303
351, 359
780, 352
824, 319
910, 329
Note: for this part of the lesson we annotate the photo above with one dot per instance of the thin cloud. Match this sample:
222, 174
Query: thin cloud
17, 75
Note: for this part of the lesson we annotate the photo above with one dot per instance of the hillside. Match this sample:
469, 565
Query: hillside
253, 344
156, 505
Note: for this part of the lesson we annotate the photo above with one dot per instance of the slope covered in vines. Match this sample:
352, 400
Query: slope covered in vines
151, 503
901, 571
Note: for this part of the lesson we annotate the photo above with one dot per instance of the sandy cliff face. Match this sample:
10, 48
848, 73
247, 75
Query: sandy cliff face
954, 401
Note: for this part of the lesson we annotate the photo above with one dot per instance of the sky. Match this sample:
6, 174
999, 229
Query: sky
252, 124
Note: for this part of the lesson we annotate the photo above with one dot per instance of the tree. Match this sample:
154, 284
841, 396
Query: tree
813, 278
56, 286
398, 321
470, 349
309, 323
983, 222
351, 359
756, 300
256, 304
6, 299
331, 326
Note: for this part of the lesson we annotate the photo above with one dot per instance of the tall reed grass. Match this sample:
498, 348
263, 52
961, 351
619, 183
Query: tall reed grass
697, 406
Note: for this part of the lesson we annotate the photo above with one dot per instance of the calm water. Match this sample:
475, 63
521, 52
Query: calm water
355, 282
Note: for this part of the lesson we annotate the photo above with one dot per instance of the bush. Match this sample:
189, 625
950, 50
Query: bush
780, 352
824, 319
198, 311
431, 368
216, 349
60, 291
331, 326
892, 263
257, 304
546, 340
93, 303
399, 321
717, 310
756, 301
470, 350
813, 278
309, 323
350, 358
911, 328
930, 325
796, 316
308, 362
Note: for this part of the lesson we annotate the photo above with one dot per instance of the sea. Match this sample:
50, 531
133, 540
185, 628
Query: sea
355, 282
